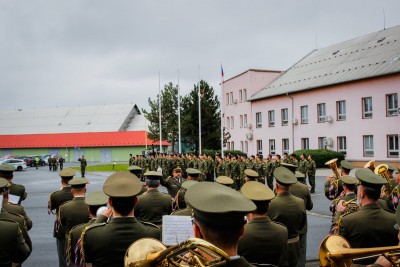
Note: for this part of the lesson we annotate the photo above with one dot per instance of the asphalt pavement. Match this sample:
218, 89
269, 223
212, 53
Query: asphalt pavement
39, 183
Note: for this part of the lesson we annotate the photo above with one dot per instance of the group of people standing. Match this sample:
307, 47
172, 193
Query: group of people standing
54, 162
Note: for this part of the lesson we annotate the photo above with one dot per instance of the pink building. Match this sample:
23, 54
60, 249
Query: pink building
343, 97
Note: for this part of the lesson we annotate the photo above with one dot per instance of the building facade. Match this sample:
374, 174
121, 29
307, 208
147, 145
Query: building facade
343, 97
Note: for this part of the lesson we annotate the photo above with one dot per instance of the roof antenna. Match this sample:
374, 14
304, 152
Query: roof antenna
384, 19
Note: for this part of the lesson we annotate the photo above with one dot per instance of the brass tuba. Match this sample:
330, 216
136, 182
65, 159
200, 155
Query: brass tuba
382, 170
195, 252
333, 165
370, 165
336, 251
333, 191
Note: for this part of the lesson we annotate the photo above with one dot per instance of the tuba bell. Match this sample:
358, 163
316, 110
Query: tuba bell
194, 252
333, 191
382, 170
335, 251
370, 165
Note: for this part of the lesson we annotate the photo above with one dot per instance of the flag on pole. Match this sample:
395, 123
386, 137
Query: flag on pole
222, 73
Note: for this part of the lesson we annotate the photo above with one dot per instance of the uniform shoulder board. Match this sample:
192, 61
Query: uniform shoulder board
8, 220
16, 214
65, 203
149, 224
76, 226
90, 227
388, 210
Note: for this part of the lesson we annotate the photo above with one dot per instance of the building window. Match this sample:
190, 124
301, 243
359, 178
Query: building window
321, 143
241, 146
259, 146
240, 96
392, 105
245, 120
367, 107
285, 145
231, 98
258, 120
341, 110
305, 143
241, 121
228, 124
229, 145
368, 145
393, 145
304, 114
227, 99
321, 109
341, 144
232, 122
233, 145
271, 118
272, 146
285, 115
246, 146
244, 95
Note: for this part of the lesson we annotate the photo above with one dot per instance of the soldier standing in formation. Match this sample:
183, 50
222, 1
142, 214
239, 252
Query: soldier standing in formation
311, 170
61, 162
83, 165
16, 191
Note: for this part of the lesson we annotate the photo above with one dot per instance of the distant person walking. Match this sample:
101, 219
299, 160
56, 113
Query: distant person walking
83, 165
36, 162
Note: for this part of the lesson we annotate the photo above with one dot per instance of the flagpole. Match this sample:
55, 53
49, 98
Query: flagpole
221, 111
199, 96
179, 119
159, 110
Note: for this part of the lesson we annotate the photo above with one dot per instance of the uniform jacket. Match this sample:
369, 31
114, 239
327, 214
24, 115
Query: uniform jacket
74, 236
18, 210
73, 212
13, 247
173, 185
301, 190
264, 241
183, 212
152, 205
22, 225
18, 190
105, 244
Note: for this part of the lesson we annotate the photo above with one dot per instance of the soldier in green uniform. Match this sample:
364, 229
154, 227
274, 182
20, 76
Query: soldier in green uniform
210, 168
173, 183
56, 199
187, 211
220, 168
75, 211
235, 172
153, 204
251, 164
303, 164
105, 244
179, 199
300, 190
227, 165
273, 164
61, 161
264, 241
311, 170
290, 211
94, 201
16, 190
50, 161
83, 165
219, 217
285, 158
17, 209
293, 160
261, 169
242, 166
130, 160
360, 228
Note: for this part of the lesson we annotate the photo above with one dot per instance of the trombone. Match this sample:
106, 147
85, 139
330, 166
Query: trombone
335, 251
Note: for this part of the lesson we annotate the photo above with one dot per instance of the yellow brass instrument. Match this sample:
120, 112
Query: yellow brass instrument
333, 165
195, 252
336, 251
333, 191
370, 165
382, 170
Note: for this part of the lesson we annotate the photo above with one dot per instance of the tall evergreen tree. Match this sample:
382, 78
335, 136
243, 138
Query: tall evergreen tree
210, 117
169, 115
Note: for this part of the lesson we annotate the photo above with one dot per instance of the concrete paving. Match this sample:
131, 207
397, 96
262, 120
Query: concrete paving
41, 182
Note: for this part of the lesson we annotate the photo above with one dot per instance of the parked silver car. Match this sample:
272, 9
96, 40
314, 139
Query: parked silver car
18, 164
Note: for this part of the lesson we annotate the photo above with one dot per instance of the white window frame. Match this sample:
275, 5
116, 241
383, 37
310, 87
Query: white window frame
341, 110
272, 148
285, 116
393, 145
305, 143
367, 108
285, 145
342, 144
392, 104
368, 141
304, 114
258, 120
259, 146
271, 118
321, 143
321, 112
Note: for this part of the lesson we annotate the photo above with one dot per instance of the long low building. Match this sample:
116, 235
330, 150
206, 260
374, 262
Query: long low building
102, 133
343, 97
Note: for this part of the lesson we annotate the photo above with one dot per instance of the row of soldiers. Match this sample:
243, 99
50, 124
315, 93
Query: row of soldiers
230, 165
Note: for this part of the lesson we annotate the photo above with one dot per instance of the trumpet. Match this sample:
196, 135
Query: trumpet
336, 251
370, 165
194, 252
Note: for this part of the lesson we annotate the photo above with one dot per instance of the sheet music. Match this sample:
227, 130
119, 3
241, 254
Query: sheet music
13, 199
176, 229
1, 201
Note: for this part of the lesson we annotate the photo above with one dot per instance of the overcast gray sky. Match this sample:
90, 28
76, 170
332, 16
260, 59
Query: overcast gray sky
76, 52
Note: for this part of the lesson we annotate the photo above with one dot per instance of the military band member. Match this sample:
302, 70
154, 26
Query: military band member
15, 190
179, 199
105, 244
311, 170
264, 241
225, 180
174, 182
331, 190
300, 190
18, 209
219, 217
187, 211
94, 201
290, 211
153, 204
371, 226
57, 198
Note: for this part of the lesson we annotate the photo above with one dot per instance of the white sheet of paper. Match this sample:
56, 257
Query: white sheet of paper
13, 199
176, 229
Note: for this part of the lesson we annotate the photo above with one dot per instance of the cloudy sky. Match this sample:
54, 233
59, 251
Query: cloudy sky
95, 52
